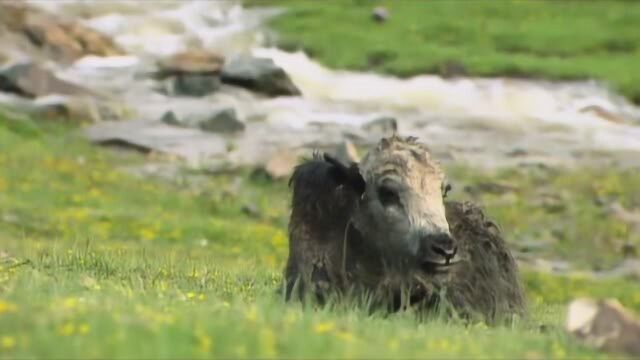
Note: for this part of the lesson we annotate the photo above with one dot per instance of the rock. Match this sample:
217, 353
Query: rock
629, 250
604, 114
194, 72
605, 325
170, 118
517, 152
258, 74
63, 40
347, 152
490, 188
223, 120
251, 210
629, 268
381, 126
631, 217
191, 62
31, 80
280, 165
195, 84
193, 145
56, 107
380, 14
452, 69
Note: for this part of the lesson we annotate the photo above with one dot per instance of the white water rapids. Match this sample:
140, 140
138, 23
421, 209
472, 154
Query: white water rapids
482, 121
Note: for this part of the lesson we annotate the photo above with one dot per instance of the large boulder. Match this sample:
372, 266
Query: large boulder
191, 61
604, 324
258, 74
222, 120
193, 72
30, 80
62, 40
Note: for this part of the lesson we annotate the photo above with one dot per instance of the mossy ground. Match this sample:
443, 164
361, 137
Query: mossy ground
542, 39
97, 263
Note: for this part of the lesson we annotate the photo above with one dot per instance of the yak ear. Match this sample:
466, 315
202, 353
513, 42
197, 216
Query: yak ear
347, 175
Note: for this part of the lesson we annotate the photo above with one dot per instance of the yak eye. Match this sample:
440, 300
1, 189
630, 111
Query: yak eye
388, 196
445, 189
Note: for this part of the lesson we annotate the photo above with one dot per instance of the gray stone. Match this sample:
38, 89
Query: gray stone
193, 145
30, 80
381, 126
258, 74
346, 152
605, 325
222, 121
170, 118
380, 14
196, 84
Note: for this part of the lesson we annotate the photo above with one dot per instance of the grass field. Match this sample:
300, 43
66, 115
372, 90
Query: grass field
548, 39
96, 263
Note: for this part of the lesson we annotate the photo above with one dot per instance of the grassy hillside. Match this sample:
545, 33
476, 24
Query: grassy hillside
95, 263
548, 39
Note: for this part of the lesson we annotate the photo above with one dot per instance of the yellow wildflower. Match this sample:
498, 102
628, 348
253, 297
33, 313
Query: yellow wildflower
67, 329
393, 344
204, 343
70, 303
84, 329
7, 307
345, 335
252, 314
190, 295
8, 342
323, 327
201, 297
147, 234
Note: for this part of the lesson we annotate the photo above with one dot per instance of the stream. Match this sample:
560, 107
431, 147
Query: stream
484, 122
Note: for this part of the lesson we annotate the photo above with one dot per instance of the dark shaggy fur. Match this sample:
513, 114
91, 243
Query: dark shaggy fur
322, 262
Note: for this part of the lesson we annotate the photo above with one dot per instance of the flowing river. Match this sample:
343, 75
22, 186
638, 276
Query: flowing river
485, 122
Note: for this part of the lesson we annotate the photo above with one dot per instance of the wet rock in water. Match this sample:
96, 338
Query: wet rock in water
170, 118
517, 152
604, 114
258, 74
62, 40
605, 325
223, 120
347, 153
381, 126
194, 72
195, 84
31, 80
380, 14
191, 62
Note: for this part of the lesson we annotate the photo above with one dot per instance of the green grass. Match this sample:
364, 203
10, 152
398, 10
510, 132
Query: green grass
100, 264
545, 39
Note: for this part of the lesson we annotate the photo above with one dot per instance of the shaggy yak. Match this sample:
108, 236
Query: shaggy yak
382, 227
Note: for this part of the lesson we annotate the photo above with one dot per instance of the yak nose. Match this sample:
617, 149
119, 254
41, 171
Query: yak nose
439, 248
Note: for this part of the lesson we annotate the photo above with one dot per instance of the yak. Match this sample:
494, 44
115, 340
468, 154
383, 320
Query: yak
383, 227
